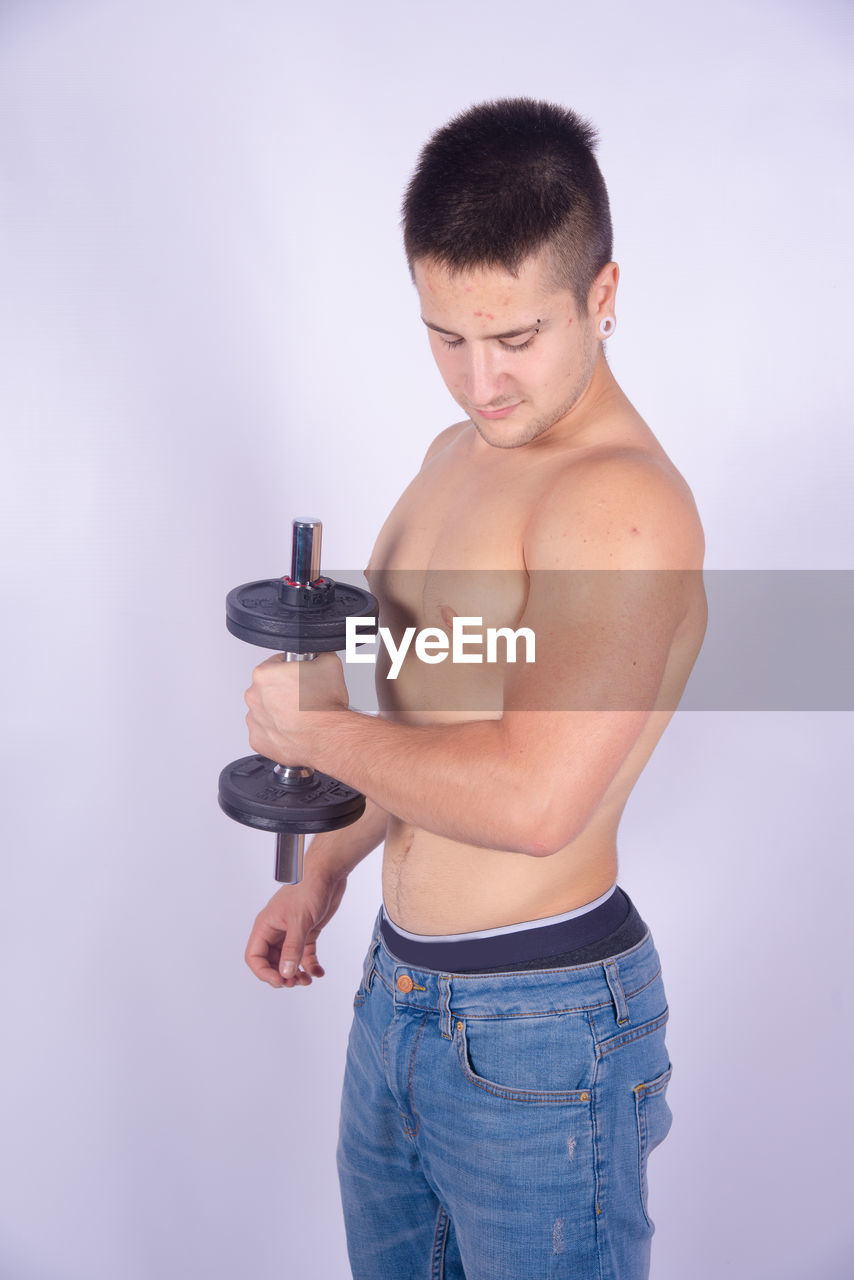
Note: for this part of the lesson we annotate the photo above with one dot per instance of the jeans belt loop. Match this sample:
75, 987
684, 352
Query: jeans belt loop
612, 977
445, 1018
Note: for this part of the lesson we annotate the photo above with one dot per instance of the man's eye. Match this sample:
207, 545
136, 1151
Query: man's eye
452, 343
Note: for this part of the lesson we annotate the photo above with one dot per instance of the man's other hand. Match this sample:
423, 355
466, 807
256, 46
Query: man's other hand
282, 948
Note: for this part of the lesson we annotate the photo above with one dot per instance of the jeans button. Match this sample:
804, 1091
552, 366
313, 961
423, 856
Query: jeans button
405, 983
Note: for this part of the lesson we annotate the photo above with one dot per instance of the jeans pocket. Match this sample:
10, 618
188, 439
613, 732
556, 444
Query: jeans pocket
654, 1119
538, 1059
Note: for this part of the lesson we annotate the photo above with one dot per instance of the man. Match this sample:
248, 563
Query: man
506, 1072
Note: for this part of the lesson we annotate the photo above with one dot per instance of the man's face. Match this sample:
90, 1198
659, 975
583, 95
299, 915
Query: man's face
514, 352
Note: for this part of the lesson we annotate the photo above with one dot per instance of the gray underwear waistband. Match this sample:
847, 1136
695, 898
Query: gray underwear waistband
607, 930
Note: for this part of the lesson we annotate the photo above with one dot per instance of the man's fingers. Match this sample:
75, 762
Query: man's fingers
310, 962
293, 949
265, 972
282, 948
260, 955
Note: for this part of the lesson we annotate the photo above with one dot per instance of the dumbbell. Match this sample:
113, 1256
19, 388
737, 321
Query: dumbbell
303, 614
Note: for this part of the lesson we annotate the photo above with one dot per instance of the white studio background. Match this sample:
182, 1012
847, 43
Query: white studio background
208, 328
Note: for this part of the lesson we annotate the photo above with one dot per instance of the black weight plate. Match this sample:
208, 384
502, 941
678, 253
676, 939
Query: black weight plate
251, 793
254, 612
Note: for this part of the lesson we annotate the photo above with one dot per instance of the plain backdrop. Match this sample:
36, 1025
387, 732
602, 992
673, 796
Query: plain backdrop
208, 328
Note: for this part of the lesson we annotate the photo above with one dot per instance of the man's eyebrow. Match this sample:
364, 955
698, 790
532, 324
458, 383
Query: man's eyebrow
510, 333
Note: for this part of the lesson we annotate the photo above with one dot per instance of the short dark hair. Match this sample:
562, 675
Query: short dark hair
504, 180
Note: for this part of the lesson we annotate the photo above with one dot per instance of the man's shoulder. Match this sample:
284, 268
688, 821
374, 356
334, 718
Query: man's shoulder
446, 438
616, 507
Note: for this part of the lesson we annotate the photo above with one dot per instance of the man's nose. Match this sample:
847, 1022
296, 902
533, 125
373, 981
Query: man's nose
483, 376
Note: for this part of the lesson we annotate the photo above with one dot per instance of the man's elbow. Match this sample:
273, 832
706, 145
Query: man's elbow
544, 809
541, 835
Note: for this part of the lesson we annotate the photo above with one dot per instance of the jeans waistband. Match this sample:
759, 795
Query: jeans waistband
521, 993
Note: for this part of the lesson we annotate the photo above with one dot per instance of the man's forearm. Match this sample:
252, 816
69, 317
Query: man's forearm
527, 783
457, 780
336, 853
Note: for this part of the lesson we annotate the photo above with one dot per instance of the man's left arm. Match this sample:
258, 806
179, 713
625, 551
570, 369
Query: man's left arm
613, 560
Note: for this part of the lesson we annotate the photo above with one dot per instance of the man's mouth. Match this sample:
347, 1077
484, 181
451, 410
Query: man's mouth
492, 414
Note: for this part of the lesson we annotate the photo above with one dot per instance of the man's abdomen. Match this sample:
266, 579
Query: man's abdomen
433, 885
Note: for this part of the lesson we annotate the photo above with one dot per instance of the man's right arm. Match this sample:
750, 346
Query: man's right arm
282, 948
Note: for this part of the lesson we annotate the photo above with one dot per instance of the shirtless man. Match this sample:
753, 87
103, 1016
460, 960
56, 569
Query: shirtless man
506, 1072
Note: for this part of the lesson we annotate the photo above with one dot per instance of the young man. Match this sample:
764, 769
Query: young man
507, 1070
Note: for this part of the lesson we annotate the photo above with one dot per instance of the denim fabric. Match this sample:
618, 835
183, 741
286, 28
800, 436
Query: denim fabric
497, 1126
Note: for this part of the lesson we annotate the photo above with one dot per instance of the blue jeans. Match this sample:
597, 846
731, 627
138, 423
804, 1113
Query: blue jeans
497, 1126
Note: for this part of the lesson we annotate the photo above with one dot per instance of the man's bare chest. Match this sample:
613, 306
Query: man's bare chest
454, 545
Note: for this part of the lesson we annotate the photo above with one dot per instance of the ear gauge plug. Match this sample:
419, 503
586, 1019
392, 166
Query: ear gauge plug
607, 325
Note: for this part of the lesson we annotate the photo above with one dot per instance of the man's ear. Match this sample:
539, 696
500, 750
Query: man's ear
602, 298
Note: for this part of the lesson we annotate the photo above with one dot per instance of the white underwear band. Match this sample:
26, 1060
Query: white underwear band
505, 928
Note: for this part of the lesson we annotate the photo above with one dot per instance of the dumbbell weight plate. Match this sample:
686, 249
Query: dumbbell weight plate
256, 613
251, 793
